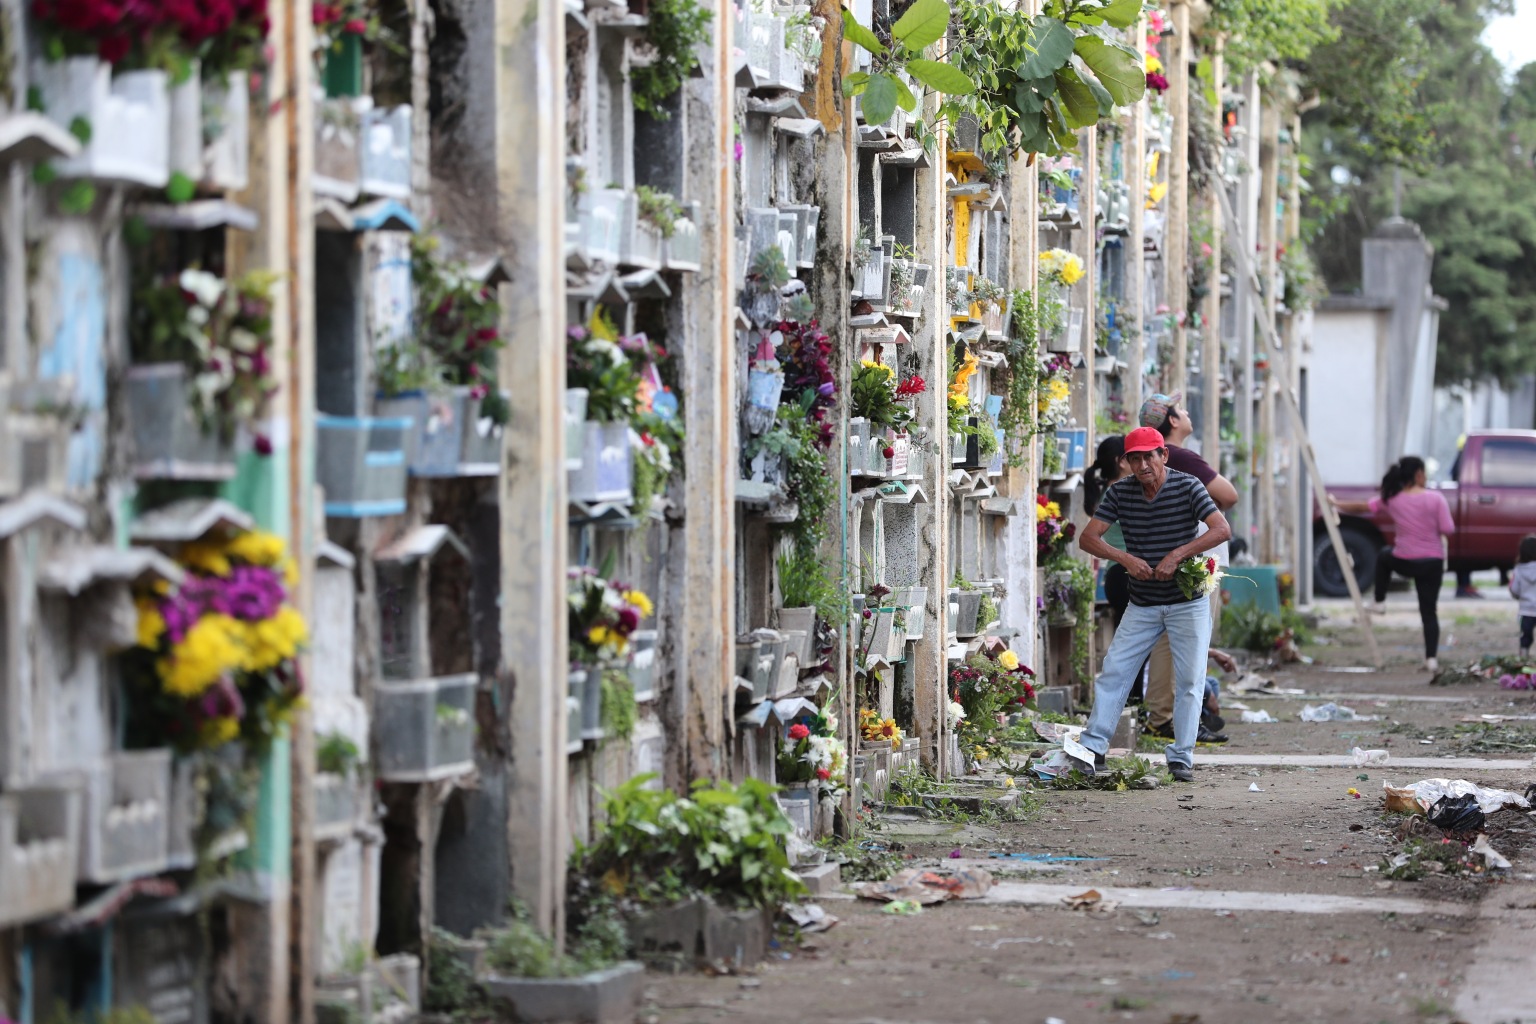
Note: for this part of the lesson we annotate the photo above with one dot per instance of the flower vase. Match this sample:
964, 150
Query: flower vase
186, 139
227, 132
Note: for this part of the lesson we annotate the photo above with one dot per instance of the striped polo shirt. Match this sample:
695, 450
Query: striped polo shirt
1154, 528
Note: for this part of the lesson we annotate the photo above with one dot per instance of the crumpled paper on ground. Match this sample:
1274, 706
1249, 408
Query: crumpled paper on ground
1363, 757
809, 917
1419, 797
1258, 718
1092, 901
1248, 682
923, 887
1492, 859
1332, 712
1055, 732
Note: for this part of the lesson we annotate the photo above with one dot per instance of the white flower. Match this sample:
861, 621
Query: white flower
206, 288
956, 713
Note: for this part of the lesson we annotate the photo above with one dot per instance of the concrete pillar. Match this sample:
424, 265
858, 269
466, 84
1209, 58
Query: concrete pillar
1135, 254
1264, 439
527, 106
709, 452
1176, 237
1210, 360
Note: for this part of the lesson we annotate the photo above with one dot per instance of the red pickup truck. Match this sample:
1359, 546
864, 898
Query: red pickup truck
1492, 494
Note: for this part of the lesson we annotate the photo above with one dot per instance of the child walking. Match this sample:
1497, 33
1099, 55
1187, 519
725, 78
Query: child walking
1522, 584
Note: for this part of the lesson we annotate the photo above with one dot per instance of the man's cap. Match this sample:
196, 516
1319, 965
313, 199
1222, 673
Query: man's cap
1154, 411
1144, 439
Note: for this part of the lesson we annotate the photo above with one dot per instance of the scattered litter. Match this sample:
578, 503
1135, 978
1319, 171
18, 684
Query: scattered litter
1493, 859
1148, 917
1253, 787
916, 885
1332, 712
1427, 743
1457, 814
1258, 718
810, 917
1092, 901
1173, 975
1419, 797
905, 907
1352, 791
1225, 913
1162, 935
1250, 683
1042, 858
1365, 757
1055, 732
956, 854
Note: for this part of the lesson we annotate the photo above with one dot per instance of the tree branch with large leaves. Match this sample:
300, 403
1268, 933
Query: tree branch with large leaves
882, 88
1039, 79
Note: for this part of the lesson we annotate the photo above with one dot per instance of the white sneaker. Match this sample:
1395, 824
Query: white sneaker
1433, 664
1379, 608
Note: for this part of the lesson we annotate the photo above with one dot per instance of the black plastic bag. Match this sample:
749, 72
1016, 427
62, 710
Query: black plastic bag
1457, 814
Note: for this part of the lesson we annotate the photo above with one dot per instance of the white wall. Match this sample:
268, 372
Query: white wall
1343, 394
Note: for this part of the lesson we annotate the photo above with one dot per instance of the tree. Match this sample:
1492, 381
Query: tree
1409, 83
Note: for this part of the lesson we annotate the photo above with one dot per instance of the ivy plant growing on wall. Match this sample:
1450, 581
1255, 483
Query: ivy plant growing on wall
882, 87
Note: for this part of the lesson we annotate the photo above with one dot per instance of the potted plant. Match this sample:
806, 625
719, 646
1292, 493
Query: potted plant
202, 371
338, 763
1058, 271
596, 361
591, 981
990, 296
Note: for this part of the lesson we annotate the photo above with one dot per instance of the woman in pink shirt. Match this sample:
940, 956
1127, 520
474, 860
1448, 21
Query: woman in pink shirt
1422, 518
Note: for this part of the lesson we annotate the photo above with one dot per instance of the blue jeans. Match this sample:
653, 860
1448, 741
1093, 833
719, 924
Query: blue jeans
1188, 626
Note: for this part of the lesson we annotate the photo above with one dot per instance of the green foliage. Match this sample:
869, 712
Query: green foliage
115, 1015
1120, 774
1018, 417
521, 950
336, 754
883, 88
659, 208
1250, 627
674, 29
769, 271
723, 840
619, 708
1039, 79
1270, 30
451, 985
804, 582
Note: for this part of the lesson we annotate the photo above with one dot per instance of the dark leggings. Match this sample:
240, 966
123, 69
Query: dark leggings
1527, 627
1426, 574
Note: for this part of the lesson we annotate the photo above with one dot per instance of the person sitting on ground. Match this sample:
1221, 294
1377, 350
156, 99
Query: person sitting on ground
1159, 511
1163, 413
1422, 518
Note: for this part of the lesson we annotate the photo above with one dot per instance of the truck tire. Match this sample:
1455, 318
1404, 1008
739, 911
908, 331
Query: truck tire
1328, 577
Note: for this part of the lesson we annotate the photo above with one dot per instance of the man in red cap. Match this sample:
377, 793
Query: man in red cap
1164, 414
1160, 511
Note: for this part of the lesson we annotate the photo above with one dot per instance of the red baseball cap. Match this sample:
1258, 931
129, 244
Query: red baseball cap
1144, 439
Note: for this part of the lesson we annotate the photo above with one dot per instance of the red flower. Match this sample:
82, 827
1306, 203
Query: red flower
1042, 500
798, 732
823, 774
888, 452
1210, 565
913, 385
357, 27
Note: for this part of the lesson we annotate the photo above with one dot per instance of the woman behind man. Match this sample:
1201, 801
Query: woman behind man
1423, 519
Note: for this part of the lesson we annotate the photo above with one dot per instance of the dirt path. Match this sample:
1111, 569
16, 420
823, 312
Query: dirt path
1235, 905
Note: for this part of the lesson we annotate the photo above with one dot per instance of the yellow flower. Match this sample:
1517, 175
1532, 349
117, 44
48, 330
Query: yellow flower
257, 548
1155, 194
218, 731
889, 372
641, 602
1072, 270
598, 635
1153, 64
1008, 782
211, 648
1008, 660
272, 641
1058, 390
963, 375
208, 559
151, 624
290, 573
